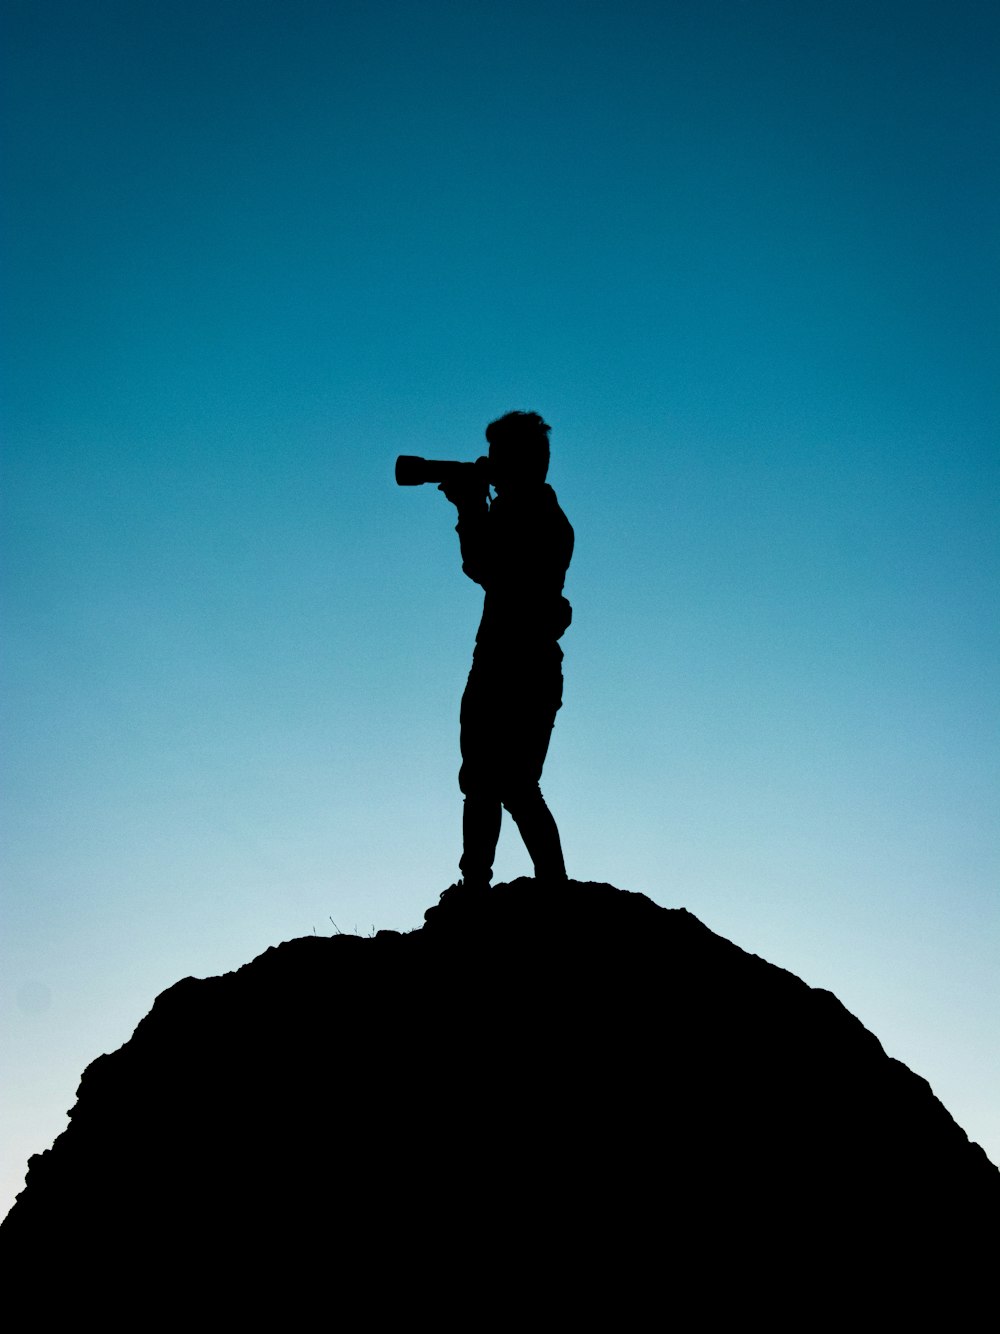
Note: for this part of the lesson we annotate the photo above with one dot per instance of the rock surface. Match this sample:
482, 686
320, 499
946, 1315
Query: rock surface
563, 1102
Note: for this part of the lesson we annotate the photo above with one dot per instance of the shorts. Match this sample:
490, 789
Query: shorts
508, 711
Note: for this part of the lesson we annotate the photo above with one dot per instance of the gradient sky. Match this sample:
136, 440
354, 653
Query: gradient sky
742, 256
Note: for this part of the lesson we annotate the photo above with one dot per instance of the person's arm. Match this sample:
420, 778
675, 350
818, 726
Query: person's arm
473, 512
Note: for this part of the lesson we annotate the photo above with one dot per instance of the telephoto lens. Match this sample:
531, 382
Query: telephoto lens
414, 471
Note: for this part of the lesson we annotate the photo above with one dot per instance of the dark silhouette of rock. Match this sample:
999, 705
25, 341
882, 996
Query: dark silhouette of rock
549, 1104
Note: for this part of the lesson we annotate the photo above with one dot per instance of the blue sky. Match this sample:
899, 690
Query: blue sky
742, 256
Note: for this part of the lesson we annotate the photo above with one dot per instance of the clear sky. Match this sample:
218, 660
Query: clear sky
742, 256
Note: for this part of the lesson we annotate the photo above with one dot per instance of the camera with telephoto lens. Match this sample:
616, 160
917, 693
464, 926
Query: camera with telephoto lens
414, 471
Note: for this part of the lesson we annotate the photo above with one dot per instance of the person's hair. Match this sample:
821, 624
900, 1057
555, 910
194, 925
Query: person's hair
522, 440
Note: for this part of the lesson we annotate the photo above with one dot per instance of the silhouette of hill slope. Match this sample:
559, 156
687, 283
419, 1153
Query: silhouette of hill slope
565, 1098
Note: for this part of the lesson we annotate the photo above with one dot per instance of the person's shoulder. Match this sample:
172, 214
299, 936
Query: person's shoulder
552, 501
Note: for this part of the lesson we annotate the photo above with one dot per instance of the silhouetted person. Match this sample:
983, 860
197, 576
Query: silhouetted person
518, 547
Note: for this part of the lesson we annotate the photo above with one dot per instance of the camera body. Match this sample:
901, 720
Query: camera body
414, 471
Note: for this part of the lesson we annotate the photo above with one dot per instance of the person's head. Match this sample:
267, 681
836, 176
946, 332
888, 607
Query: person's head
519, 449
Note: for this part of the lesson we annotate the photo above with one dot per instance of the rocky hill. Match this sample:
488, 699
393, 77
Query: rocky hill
557, 1103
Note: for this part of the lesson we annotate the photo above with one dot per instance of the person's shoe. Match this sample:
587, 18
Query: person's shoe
463, 894
471, 885
464, 891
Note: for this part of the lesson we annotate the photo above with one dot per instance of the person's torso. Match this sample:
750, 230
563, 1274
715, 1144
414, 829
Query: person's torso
528, 551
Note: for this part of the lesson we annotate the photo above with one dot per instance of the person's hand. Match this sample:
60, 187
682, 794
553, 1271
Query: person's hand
466, 492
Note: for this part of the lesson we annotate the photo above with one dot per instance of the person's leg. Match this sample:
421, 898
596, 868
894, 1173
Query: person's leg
482, 813
539, 831
480, 832
528, 733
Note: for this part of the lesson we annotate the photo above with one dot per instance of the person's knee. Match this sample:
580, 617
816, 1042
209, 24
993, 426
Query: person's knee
473, 782
521, 799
